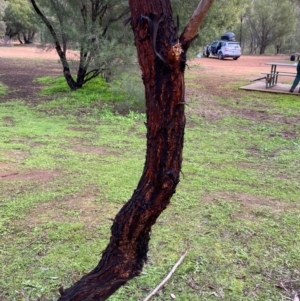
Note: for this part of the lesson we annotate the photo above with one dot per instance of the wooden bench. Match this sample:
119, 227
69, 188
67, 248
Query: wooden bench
271, 78
287, 73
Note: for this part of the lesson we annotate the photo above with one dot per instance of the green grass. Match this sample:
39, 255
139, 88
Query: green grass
123, 95
64, 176
92, 90
3, 89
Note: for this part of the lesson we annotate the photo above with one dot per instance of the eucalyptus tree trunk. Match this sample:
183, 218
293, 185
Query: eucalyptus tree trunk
162, 57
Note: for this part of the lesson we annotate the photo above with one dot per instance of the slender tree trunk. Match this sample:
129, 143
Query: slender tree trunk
80, 76
162, 61
70, 81
262, 48
83, 65
61, 52
18, 36
27, 39
31, 36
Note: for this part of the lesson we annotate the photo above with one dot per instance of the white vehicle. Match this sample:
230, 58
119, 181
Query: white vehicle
223, 49
226, 47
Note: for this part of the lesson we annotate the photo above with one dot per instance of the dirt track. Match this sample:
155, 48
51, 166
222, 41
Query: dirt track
19, 74
28, 51
19, 66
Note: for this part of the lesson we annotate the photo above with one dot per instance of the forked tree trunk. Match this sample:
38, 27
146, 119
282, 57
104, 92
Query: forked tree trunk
162, 60
61, 51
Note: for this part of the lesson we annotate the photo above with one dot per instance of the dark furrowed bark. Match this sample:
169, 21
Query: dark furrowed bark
162, 62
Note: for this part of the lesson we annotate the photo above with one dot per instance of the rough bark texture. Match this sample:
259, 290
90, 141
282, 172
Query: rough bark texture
162, 62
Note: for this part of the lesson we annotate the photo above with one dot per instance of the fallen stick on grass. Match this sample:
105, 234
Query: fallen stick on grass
167, 277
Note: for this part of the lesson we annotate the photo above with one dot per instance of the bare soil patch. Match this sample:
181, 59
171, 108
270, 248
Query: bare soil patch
215, 74
28, 52
245, 199
84, 208
249, 203
245, 67
80, 129
222, 78
20, 66
95, 150
34, 175
216, 78
5, 166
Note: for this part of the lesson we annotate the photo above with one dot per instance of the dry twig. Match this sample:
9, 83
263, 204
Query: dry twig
167, 277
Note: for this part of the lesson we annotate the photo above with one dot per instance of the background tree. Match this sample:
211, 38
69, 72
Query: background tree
3, 5
84, 26
291, 42
222, 16
20, 21
270, 21
162, 57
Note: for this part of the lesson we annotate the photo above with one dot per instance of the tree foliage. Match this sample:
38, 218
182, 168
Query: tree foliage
2, 23
261, 25
240, 16
3, 5
20, 21
269, 21
87, 27
222, 16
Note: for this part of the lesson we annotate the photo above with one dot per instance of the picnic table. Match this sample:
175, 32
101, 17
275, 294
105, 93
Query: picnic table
272, 76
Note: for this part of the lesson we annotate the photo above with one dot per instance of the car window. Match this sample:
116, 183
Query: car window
214, 44
233, 45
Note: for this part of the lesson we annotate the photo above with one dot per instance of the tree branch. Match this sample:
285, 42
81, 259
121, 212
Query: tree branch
191, 29
112, 20
94, 73
61, 50
51, 29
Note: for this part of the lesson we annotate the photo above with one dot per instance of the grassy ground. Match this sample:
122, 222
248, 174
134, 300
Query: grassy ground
3, 89
67, 167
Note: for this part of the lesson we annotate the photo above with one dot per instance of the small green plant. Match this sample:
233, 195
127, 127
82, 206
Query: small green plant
96, 89
3, 89
129, 85
122, 95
